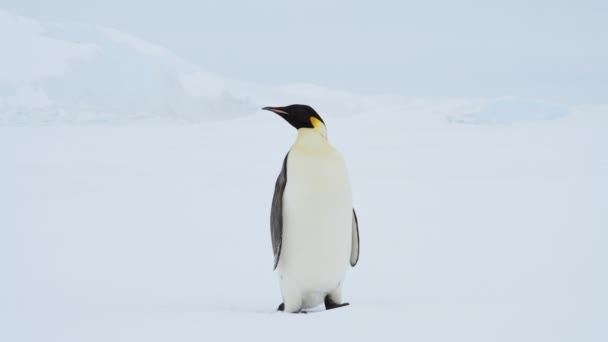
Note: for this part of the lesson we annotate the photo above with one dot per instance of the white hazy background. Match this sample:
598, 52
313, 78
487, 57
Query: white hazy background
554, 49
136, 169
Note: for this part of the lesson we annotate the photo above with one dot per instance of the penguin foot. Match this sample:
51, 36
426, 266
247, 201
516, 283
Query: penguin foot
330, 304
282, 308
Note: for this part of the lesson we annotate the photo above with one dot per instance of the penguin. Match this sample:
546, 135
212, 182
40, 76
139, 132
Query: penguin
314, 227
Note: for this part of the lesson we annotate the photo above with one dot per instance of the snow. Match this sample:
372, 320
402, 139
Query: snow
510, 110
75, 72
135, 193
29, 55
160, 232
82, 73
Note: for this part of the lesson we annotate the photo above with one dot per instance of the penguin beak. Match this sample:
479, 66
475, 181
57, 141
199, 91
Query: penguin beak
277, 110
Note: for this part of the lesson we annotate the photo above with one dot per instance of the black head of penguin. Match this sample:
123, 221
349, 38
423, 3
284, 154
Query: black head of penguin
299, 116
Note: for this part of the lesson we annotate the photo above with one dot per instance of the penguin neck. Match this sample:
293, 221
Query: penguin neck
312, 136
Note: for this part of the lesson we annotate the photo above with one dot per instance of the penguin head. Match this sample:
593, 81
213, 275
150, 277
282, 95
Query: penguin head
299, 116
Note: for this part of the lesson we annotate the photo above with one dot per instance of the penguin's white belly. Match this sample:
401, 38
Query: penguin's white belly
317, 224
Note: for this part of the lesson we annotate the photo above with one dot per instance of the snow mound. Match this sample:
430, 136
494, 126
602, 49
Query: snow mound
508, 110
82, 73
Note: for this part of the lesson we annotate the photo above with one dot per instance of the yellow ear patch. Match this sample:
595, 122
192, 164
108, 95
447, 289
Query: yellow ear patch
316, 123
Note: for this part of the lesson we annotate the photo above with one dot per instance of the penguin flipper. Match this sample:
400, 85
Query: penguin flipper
276, 213
354, 251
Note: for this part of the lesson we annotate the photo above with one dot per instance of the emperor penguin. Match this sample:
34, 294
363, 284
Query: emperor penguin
313, 225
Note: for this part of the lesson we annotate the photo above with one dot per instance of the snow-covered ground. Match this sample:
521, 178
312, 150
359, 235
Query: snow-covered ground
160, 232
135, 193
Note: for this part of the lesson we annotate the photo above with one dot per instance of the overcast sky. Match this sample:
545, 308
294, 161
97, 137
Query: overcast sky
554, 49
